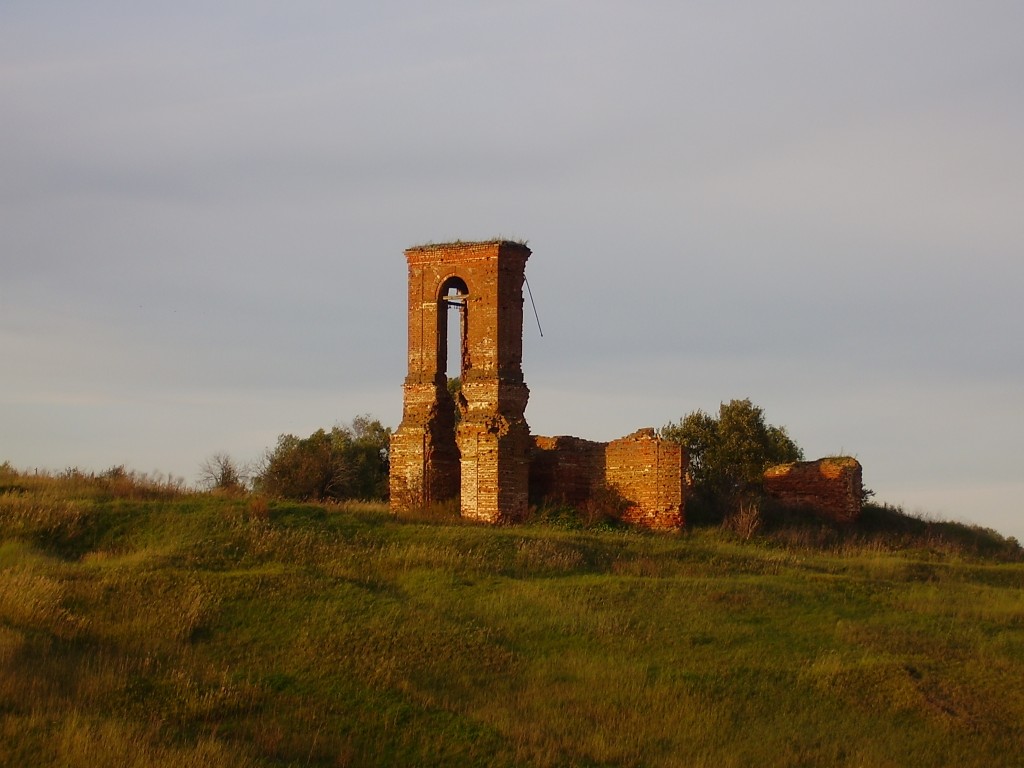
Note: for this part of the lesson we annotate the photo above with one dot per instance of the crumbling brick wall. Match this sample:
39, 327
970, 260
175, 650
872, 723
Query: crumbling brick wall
831, 487
565, 470
650, 473
646, 471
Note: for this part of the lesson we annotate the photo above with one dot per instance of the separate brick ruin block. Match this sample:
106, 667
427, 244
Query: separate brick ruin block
487, 457
830, 487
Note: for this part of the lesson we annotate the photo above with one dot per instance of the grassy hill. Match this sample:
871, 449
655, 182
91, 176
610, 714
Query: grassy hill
142, 625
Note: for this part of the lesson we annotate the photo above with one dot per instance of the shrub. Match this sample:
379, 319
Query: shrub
746, 520
349, 462
221, 473
604, 506
729, 453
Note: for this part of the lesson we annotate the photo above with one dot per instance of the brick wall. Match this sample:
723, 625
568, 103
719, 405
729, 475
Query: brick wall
650, 473
646, 471
830, 487
565, 470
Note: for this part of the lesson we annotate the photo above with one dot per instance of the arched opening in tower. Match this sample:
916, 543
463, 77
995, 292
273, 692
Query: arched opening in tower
453, 346
454, 327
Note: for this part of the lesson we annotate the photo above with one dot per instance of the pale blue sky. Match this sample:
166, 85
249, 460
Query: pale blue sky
820, 206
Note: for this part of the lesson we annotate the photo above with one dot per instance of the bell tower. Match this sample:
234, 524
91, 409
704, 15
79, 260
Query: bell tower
481, 455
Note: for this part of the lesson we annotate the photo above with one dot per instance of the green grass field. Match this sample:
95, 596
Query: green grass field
141, 625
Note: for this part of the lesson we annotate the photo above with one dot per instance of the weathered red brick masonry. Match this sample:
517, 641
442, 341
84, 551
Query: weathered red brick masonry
489, 460
647, 472
486, 459
829, 486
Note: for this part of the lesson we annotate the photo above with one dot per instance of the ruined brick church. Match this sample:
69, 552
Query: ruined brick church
487, 457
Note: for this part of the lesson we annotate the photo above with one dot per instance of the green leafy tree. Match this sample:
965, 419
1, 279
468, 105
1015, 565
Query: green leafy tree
369, 452
729, 452
349, 462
